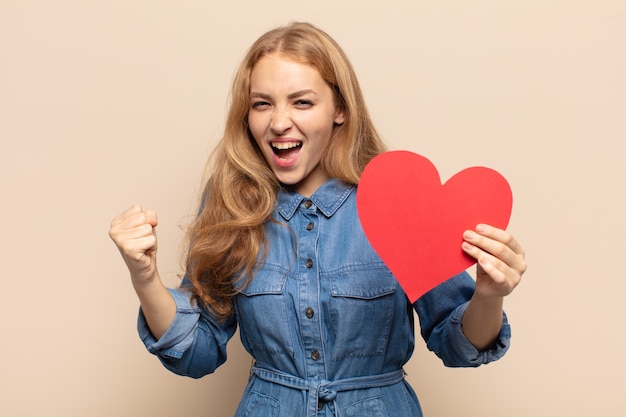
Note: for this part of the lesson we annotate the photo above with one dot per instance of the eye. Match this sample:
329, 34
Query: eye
303, 104
260, 105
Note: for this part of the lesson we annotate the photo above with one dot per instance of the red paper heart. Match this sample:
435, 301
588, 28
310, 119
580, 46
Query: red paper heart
415, 223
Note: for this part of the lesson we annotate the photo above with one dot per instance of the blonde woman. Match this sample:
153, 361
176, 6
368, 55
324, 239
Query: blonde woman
277, 248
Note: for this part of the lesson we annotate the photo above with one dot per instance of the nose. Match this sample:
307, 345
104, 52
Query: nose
281, 121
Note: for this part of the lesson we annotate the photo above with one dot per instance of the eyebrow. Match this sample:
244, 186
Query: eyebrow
291, 96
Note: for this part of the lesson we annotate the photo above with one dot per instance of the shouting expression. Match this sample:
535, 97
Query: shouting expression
292, 116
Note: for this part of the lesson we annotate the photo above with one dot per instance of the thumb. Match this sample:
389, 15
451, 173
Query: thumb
151, 217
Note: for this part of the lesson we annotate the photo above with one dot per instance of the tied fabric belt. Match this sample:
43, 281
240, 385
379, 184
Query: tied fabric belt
323, 390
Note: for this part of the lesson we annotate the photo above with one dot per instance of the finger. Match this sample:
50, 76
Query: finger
493, 267
494, 277
500, 271
517, 261
499, 249
138, 219
136, 249
138, 231
123, 234
501, 236
121, 218
494, 262
151, 218
485, 244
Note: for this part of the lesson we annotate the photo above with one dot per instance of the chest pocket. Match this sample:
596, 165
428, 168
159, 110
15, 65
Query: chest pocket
262, 313
361, 310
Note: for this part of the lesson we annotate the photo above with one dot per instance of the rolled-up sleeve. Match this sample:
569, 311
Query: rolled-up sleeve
194, 344
441, 313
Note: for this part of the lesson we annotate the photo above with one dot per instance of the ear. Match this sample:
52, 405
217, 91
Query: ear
339, 118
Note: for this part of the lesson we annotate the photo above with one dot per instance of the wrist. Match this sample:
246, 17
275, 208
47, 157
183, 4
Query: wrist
486, 304
144, 282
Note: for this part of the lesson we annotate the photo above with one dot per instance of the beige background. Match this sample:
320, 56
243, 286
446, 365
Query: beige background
104, 104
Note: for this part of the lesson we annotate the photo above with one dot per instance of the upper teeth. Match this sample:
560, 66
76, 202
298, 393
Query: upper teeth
285, 145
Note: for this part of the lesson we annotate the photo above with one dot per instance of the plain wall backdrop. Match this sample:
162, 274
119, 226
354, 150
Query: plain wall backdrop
108, 103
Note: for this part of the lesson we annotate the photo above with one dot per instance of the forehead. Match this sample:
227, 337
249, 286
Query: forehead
279, 72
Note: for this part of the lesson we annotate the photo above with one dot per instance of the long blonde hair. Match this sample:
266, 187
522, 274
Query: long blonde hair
228, 237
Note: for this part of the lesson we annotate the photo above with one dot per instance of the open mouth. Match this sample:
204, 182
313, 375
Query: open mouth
286, 150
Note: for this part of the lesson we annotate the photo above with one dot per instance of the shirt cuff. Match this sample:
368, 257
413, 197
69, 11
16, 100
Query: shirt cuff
463, 348
180, 334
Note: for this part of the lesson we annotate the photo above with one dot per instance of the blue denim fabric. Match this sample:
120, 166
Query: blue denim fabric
323, 318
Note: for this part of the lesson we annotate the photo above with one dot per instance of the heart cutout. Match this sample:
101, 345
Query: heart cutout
415, 223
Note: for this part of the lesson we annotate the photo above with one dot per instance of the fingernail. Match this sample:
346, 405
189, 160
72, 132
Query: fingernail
481, 228
469, 235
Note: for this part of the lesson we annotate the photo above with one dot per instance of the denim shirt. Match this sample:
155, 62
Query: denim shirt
325, 320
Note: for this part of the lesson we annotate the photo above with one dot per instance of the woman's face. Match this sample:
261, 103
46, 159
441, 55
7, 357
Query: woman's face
292, 116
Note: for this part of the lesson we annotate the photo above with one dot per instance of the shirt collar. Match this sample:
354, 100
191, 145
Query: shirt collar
328, 198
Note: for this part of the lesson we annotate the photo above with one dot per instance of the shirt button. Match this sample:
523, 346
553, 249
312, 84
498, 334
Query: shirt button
315, 355
310, 226
309, 313
308, 203
309, 263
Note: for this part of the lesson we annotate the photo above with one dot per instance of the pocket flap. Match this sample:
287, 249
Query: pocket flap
366, 283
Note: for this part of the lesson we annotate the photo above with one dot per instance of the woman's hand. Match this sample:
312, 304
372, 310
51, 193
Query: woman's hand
133, 231
500, 265
500, 260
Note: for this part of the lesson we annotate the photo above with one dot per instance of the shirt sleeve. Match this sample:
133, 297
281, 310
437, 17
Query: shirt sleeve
441, 312
195, 343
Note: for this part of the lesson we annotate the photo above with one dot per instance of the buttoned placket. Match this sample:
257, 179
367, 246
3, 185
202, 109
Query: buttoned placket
309, 288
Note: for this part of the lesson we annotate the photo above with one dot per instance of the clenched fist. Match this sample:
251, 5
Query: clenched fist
133, 231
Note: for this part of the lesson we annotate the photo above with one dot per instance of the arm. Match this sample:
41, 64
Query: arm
441, 312
462, 321
195, 343
500, 265
133, 232
185, 337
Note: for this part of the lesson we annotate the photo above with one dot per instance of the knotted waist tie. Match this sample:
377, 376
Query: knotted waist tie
323, 390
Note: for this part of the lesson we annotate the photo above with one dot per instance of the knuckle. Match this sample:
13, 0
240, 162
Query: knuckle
499, 251
523, 267
141, 217
508, 239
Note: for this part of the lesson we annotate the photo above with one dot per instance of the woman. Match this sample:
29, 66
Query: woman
277, 249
